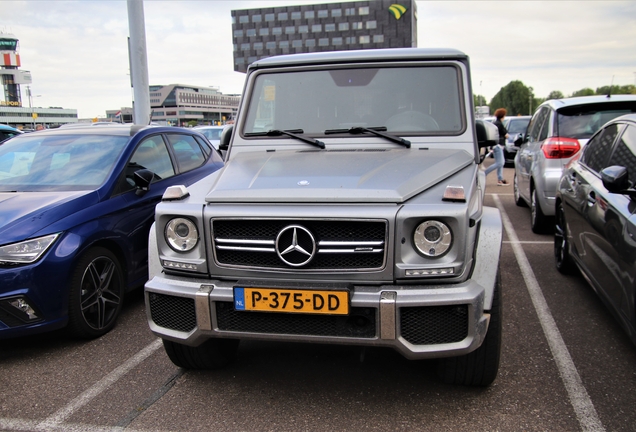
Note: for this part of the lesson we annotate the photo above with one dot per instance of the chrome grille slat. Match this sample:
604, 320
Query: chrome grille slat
341, 245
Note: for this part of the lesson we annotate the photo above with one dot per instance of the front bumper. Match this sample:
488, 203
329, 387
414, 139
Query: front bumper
32, 299
418, 321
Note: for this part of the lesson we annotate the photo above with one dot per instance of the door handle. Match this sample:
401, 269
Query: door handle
591, 199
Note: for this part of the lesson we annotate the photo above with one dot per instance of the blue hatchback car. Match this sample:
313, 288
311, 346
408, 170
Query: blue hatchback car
76, 206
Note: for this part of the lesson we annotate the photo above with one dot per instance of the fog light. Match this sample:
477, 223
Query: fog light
20, 308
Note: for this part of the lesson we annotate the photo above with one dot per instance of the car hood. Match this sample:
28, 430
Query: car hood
23, 214
391, 176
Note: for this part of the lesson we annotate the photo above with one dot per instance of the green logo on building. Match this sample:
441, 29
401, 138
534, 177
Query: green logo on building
397, 10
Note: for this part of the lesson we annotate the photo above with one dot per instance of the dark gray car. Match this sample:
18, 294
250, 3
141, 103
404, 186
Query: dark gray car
595, 222
516, 127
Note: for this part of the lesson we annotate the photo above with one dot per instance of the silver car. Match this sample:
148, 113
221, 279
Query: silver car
350, 210
557, 131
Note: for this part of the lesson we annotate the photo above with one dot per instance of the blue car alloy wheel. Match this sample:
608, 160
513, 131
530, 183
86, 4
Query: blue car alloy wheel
97, 292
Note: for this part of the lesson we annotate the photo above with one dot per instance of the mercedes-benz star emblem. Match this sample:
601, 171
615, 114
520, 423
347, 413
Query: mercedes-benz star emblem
295, 245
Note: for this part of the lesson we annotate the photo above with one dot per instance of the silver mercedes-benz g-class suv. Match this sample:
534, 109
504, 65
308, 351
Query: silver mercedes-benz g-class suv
349, 211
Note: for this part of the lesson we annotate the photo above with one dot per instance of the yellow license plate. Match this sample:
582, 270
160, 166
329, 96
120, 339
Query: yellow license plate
291, 300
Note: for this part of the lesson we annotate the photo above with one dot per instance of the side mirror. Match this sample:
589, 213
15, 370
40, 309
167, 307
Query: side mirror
226, 137
615, 179
519, 140
143, 178
487, 133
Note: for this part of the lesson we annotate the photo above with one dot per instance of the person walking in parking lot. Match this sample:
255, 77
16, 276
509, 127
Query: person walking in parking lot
497, 150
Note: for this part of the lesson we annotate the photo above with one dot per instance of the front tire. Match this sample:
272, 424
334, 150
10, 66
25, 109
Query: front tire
562, 258
480, 367
211, 354
96, 295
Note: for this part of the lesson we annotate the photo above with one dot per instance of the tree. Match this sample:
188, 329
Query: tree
555, 94
583, 92
626, 89
479, 100
516, 98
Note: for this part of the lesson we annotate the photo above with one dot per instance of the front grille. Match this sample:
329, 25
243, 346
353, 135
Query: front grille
360, 323
174, 313
343, 245
432, 325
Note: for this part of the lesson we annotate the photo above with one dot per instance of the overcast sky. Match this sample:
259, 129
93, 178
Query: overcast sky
77, 54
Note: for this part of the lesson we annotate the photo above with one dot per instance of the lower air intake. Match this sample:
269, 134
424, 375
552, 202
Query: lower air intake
433, 325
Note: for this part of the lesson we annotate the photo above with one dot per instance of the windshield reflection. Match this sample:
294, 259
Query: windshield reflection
58, 162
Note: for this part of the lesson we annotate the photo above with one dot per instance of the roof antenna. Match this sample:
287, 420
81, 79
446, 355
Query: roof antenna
609, 93
150, 118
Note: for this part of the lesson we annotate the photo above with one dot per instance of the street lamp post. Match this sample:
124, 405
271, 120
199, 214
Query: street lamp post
31, 108
28, 88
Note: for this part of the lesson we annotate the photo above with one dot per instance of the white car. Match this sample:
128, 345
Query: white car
212, 133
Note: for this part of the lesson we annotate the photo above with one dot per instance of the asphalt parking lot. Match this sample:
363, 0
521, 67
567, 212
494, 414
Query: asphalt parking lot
566, 365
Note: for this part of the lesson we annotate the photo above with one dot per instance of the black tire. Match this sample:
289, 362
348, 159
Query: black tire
96, 295
212, 354
538, 220
480, 367
515, 190
562, 258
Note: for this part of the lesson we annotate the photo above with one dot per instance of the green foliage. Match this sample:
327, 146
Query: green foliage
516, 98
555, 94
626, 89
479, 100
583, 92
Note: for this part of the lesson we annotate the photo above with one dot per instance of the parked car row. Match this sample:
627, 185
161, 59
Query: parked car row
576, 169
77, 206
556, 133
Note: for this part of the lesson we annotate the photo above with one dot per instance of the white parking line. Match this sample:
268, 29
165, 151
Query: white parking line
580, 400
54, 420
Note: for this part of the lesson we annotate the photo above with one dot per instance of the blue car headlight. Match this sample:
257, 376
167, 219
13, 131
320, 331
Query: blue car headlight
27, 251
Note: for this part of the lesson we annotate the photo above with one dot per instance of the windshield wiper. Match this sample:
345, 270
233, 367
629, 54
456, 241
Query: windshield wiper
372, 130
291, 133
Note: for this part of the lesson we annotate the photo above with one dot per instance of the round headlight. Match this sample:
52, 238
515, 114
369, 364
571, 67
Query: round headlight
432, 238
181, 234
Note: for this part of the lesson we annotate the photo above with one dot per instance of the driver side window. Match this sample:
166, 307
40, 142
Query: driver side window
152, 155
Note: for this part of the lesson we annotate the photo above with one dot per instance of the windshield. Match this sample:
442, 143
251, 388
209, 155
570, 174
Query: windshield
405, 100
582, 121
58, 162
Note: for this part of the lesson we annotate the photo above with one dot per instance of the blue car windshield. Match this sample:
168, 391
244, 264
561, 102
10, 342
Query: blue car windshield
47, 162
